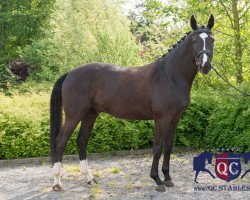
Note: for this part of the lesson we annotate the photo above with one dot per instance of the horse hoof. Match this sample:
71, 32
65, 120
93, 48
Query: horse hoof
161, 188
169, 183
57, 188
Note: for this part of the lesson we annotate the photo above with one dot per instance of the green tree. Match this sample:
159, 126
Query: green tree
237, 13
231, 29
21, 22
83, 31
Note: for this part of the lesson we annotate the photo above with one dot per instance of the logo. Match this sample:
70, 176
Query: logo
227, 165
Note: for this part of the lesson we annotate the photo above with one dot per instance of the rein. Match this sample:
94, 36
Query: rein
245, 94
210, 55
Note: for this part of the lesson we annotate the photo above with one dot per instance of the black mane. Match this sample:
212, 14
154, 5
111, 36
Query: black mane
176, 44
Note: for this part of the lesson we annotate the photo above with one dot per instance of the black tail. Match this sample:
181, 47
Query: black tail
55, 115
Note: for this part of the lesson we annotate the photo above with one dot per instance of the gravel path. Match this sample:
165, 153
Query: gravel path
119, 177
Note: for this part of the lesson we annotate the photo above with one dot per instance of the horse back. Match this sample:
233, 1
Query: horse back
120, 91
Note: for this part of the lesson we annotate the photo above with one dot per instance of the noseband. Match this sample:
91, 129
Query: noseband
202, 52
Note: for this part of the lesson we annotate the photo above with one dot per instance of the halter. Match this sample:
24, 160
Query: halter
202, 52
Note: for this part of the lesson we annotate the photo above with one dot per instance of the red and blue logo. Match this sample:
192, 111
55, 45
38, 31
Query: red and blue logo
227, 165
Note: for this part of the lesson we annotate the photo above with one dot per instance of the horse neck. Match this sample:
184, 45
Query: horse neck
180, 65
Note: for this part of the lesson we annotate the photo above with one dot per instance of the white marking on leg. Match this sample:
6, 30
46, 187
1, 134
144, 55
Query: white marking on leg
203, 37
57, 174
84, 169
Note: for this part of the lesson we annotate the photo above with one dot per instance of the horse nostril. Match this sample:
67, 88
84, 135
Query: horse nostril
197, 63
199, 66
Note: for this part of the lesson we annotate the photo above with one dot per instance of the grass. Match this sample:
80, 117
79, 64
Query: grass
147, 184
72, 169
113, 184
75, 169
97, 173
126, 176
173, 156
114, 170
46, 190
128, 186
186, 162
95, 192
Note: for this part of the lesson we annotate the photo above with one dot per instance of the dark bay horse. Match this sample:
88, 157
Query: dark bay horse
158, 91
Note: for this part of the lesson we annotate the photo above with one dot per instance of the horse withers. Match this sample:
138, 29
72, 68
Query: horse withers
158, 91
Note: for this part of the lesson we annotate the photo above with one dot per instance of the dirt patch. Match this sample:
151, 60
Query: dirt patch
119, 177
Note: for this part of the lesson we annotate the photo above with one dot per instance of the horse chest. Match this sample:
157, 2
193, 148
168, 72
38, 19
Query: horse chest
179, 105
166, 102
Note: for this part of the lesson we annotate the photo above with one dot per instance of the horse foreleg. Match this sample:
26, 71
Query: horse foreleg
168, 149
161, 127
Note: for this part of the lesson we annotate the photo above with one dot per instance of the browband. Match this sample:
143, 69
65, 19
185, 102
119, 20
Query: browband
202, 31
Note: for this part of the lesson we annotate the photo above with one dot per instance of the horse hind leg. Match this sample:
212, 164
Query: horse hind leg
82, 142
61, 143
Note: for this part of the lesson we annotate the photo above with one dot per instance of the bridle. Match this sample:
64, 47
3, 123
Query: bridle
202, 52
210, 55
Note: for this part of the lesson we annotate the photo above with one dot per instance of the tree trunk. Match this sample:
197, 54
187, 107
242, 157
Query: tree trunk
237, 41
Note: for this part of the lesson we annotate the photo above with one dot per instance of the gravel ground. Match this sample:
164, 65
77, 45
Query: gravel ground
119, 177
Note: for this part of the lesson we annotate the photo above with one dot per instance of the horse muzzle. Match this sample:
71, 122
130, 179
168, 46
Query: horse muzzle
203, 61
205, 69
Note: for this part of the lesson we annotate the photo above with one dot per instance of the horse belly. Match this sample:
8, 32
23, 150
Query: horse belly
134, 114
132, 107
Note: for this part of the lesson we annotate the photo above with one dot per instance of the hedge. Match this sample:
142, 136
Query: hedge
209, 123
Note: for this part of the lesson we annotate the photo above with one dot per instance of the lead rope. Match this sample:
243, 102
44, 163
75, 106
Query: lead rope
245, 94
220, 91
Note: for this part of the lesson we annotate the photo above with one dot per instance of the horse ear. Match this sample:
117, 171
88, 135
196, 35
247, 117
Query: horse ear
193, 23
210, 23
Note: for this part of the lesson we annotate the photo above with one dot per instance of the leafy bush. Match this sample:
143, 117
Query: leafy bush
193, 123
24, 129
209, 123
229, 126
22, 126
111, 134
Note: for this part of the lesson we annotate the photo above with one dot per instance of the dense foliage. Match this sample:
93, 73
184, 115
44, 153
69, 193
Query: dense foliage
75, 32
21, 23
161, 22
208, 124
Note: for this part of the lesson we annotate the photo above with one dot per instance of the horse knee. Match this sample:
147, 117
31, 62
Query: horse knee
81, 143
60, 145
154, 175
168, 148
78, 141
